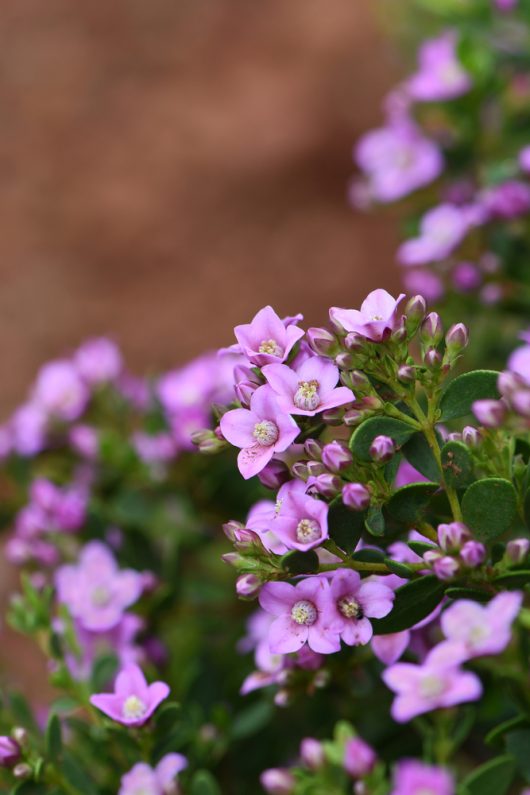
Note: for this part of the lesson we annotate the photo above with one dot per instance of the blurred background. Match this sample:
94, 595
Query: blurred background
170, 166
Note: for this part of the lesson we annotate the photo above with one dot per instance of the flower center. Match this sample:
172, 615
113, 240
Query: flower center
100, 596
308, 530
271, 347
306, 396
304, 613
431, 686
376, 317
265, 432
478, 633
133, 707
350, 607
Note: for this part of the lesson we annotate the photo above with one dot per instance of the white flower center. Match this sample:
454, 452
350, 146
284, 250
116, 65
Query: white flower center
265, 433
100, 596
304, 612
478, 633
308, 530
306, 396
271, 347
350, 607
431, 686
133, 707
376, 317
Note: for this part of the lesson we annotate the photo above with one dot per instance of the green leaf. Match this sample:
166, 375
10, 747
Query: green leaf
492, 778
167, 717
421, 547
364, 435
251, 720
103, 672
204, 784
77, 776
506, 726
401, 569
489, 507
409, 503
413, 602
54, 741
345, 526
369, 555
297, 562
518, 745
462, 392
375, 521
468, 593
457, 464
513, 579
419, 454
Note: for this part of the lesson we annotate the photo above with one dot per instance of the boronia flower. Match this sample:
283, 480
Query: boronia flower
376, 318
442, 229
440, 75
267, 339
133, 701
474, 630
354, 602
260, 431
301, 521
308, 388
160, 780
302, 616
60, 391
416, 778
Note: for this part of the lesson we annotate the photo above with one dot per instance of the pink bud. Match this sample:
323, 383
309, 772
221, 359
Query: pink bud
490, 413
336, 456
244, 391
327, 485
278, 781
355, 343
406, 373
456, 338
359, 757
274, 475
517, 550
445, 568
415, 312
520, 401
322, 342
9, 751
452, 536
473, 554
312, 753
313, 449
471, 436
432, 358
382, 449
431, 331
248, 585
356, 496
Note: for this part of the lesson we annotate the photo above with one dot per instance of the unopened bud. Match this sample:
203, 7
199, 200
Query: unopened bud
353, 417
274, 475
22, 770
359, 757
414, 313
520, 401
490, 413
456, 339
300, 470
248, 585
20, 735
400, 333
517, 550
322, 342
355, 343
313, 449
336, 456
470, 436
345, 361
327, 485
333, 416
208, 442
232, 529
473, 554
452, 536
312, 753
431, 331
432, 358
356, 496
508, 382
406, 374
278, 781
9, 751
244, 391
446, 568
382, 449
360, 382
315, 468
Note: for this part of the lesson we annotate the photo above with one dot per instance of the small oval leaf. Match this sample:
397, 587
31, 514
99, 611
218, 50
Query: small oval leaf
409, 503
414, 601
489, 507
457, 464
462, 392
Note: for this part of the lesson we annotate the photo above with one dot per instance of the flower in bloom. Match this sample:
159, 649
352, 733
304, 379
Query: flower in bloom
267, 339
510, 199
96, 591
302, 616
133, 701
301, 521
442, 229
308, 388
478, 629
260, 431
440, 75
376, 318
260, 520
60, 391
519, 362
435, 684
425, 282
354, 602
389, 648
397, 159
359, 757
145, 780
98, 361
278, 781
416, 778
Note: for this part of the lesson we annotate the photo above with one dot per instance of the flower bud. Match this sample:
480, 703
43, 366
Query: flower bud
456, 339
445, 568
244, 373
431, 331
300, 470
355, 343
22, 770
452, 536
356, 496
322, 342
333, 416
382, 449
248, 585
9, 751
406, 374
313, 449
20, 735
359, 757
232, 529
414, 313
336, 456
274, 475
244, 391
520, 401
400, 332
327, 485
353, 417
508, 382
454, 436
312, 753
315, 468
278, 781
432, 358
360, 382
282, 698
490, 413
471, 436
517, 550
473, 554
345, 361
208, 442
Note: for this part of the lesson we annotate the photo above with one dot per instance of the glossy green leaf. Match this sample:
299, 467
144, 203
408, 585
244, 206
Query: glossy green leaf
457, 464
513, 579
375, 521
475, 594
489, 507
401, 569
369, 555
345, 526
518, 745
418, 453
462, 392
413, 602
492, 778
409, 503
421, 547
204, 784
297, 562
508, 725
54, 742
364, 435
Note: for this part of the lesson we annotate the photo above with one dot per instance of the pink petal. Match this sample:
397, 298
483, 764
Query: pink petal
338, 397
130, 681
237, 427
168, 767
401, 677
357, 632
277, 597
285, 636
252, 460
389, 648
377, 599
322, 640
157, 692
282, 380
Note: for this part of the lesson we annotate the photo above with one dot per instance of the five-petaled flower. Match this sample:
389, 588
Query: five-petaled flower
133, 701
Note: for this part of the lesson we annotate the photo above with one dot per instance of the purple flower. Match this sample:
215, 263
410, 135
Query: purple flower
415, 778
301, 521
60, 391
9, 751
354, 602
312, 753
375, 320
442, 229
466, 277
451, 536
120, 640
356, 496
145, 780
408, 474
133, 701
440, 75
336, 456
517, 550
302, 616
420, 280
397, 159
307, 388
481, 629
382, 448
266, 339
98, 361
435, 684
278, 781
260, 431
260, 520
473, 554
519, 362
359, 757
510, 199
389, 648
524, 159
95, 590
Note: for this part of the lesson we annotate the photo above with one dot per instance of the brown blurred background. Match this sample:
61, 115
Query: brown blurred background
169, 166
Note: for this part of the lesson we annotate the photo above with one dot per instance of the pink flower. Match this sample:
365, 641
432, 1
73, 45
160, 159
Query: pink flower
354, 601
440, 75
397, 159
308, 388
145, 780
480, 629
375, 320
9, 751
133, 701
302, 616
95, 590
266, 339
359, 757
435, 684
442, 229
301, 521
260, 431
98, 361
416, 778
60, 391
389, 648
278, 781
